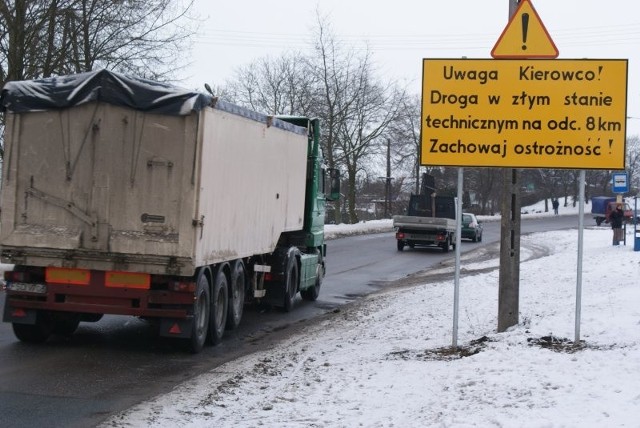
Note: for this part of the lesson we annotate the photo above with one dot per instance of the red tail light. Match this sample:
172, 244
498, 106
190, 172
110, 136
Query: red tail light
17, 276
19, 313
182, 286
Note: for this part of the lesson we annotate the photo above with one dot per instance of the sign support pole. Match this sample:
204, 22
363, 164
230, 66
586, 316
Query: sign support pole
456, 282
509, 277
580, 251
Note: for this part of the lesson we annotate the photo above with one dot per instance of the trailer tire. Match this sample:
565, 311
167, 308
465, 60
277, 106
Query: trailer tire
400, 245
201, 313
290, 282
236, 294
219, 307
86, 317
65, 324
445, 245
34, 333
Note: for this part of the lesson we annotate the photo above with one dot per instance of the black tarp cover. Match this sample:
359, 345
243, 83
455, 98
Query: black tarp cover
103, 85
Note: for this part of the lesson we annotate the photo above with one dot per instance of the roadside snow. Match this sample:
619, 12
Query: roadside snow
387, 361
332, 231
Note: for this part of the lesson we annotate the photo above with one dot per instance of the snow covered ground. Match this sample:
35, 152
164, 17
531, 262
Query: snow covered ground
387, 361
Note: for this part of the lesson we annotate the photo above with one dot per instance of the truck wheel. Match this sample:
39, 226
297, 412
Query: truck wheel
219, 307
91, 317
291, 282
400, 245
66, 324
311, 294
236, 295
201, 308
34, 333
598, 221
445, 246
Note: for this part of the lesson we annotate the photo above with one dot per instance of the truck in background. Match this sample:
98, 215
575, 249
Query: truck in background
131, 197
430, 221
602, 206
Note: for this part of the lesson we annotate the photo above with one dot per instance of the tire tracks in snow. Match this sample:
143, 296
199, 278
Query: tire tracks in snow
481, 260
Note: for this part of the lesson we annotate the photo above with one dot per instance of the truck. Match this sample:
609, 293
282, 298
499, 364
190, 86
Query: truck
602, 206
429, 221
126, 196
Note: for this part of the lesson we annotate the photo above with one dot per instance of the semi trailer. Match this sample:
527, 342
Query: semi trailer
127, 196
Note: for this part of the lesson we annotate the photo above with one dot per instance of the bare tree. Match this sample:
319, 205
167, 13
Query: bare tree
404, 132
279, 85
332, 68
371, 110
356, 108
567, 182
486, 184
633, 163
40, 38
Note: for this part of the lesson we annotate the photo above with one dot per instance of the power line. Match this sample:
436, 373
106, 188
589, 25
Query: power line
586, 36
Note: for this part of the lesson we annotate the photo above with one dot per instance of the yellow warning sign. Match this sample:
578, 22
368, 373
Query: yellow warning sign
524, 113
525, 36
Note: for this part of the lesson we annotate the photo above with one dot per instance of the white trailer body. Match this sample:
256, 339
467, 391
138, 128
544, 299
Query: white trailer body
100, 186
251, 173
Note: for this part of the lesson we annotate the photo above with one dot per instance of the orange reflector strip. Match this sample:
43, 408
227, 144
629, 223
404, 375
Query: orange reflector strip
58, 275
127, 280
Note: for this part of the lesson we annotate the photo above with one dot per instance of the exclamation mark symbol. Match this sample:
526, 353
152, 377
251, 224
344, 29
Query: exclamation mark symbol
610, 144
525, 29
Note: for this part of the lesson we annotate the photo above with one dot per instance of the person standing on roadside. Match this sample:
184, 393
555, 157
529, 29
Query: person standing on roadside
615, 218
555, 204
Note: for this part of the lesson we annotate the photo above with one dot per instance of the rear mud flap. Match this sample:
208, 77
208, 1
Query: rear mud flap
18, 315
275, 293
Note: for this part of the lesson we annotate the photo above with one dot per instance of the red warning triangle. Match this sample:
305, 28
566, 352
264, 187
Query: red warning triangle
525, 36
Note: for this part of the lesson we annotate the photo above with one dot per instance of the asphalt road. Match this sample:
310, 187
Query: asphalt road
108, 366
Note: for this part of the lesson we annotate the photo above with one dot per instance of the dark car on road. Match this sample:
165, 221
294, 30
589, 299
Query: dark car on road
471, 227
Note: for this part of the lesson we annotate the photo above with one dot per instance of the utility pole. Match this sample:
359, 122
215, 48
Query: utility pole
387, 189
388, 204
509, 279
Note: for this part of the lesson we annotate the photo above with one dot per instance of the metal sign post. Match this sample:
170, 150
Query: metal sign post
456, 282
580, 251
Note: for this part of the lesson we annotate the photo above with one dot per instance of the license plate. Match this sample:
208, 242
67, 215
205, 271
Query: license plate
26, 287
